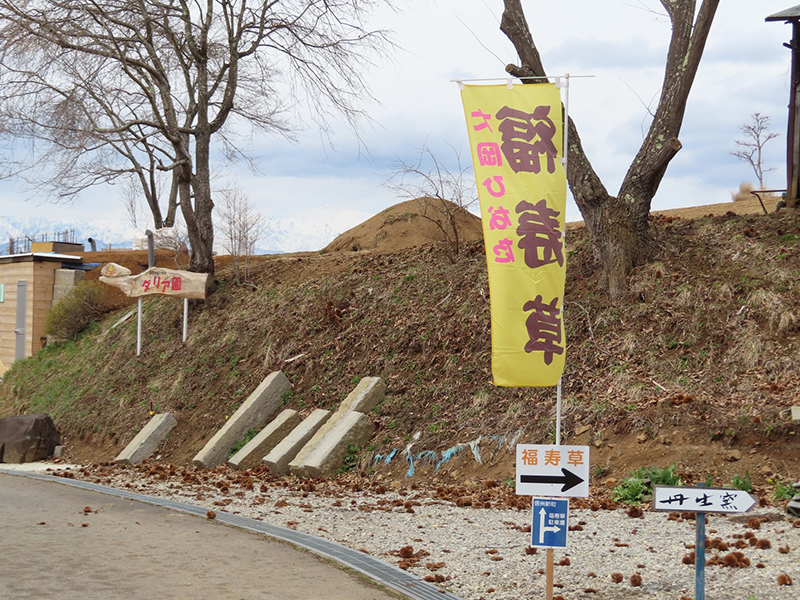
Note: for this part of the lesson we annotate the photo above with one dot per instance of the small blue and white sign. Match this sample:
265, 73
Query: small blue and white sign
549, 526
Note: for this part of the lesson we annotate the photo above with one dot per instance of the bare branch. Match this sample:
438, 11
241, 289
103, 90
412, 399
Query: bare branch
442, 194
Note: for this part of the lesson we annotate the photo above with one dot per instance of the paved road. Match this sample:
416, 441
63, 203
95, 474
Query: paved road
125, 550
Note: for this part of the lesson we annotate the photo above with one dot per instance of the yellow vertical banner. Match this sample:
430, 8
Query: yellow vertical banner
516, 139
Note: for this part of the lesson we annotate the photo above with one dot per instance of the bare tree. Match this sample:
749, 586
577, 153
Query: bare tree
241, 226
443, 195
65, 116
751, 148
130, 201
195, 72
618, 226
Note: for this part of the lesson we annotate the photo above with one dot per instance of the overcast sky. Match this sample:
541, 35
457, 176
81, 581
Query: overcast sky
621, 43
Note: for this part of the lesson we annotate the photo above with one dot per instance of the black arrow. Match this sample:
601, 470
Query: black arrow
569, 479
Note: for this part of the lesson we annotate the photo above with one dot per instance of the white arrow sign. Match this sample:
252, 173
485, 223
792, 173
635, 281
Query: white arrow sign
701, 499
543, 529
552, 470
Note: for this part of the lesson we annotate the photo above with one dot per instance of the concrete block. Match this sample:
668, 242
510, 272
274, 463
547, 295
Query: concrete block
69, 277
327, 457
365, 397
269, 437
796, 413
280, 456
59, 291
253, 414
146, 441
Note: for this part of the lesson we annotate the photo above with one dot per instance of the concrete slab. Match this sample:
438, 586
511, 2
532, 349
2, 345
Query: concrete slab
69, 277
147, 440
254, 413
280, 456
364, 397
256, 449
327, 457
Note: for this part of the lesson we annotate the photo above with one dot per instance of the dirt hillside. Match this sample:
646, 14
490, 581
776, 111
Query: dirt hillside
410, 224
696, 367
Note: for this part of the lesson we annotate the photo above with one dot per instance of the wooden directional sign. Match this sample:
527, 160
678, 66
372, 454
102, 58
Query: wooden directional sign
701, 499
549, 470
165, 282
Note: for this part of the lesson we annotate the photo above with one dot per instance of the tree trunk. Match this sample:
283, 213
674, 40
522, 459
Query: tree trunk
172, 202
620, 236
618, 226
202, 259
198, 215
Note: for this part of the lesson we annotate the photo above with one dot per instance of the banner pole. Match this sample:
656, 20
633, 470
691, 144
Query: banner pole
564, 154
558, 412
185, 317
139, 328
565, 151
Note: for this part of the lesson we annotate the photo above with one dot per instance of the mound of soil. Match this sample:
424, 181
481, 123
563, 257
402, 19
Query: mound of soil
410, 224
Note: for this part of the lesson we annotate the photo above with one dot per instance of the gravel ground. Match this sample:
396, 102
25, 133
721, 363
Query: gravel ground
484, 553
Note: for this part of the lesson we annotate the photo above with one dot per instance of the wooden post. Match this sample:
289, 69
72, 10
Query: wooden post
792, 138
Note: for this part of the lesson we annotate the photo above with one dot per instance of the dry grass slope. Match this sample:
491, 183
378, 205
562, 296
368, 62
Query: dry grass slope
697, 366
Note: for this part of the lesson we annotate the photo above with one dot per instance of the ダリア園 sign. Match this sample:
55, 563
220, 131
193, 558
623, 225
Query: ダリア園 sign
155, 280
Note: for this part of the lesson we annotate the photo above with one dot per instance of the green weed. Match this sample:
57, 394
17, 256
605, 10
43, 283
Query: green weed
249, 435
79, 307
782, 491
743, 483
351, 458
640, 483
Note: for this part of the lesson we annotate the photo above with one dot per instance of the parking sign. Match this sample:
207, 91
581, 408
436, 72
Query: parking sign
549, 524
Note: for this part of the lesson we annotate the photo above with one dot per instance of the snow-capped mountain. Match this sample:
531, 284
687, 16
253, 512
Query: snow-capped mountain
105, 233
309, 230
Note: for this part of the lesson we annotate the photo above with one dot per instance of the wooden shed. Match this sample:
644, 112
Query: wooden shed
792, 15
29, 283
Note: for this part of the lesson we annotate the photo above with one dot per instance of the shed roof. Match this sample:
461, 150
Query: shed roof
41, 256
790, 14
